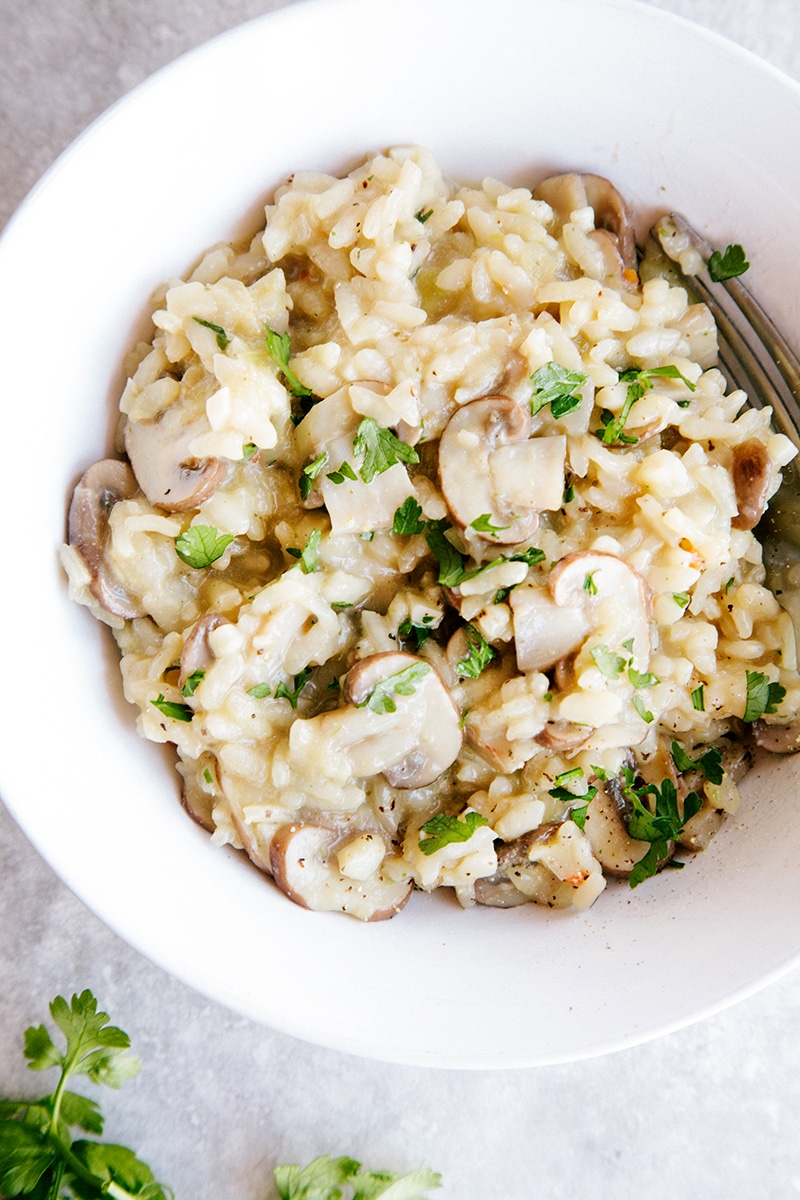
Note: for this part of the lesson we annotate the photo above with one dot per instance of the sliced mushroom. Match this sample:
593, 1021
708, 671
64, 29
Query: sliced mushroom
561, 736
197, 655
493, 472
615, 850
569, 192
751, 479
96, 493
428, 711
777, 739
498, 890
549, 624
168, 473
304, 866
198, 804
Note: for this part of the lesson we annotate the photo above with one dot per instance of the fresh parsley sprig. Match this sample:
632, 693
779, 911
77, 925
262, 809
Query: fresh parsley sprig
639, 382
279, 349
659, 827
441, 830
324, 1178
558, 387
39, 1156
201, 545
380, 448
479, 654
762, 696
728, 264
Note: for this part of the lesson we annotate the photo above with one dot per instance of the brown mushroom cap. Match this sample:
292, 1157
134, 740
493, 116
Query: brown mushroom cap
571, 191
305, 869
751, 479
168, 474
777, 739
96, 493
197, 655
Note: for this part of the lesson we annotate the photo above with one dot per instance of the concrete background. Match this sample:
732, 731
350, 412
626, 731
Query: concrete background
711, 1111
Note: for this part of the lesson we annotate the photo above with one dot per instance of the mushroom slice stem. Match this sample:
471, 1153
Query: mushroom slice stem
305, 868
168, 473
197, 654
96, 493
494, 478
569, 192
751, 479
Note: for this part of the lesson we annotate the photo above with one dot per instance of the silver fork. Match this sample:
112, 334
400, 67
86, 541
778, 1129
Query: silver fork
753, 353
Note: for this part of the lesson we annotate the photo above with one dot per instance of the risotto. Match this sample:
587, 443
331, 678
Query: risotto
431, 547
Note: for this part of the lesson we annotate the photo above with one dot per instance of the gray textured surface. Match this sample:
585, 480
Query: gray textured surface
712, 1110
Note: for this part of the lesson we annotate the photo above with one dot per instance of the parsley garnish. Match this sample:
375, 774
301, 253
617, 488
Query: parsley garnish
607, 662
483, 524
451, 563
442, 830
479, 654
641, 709
193, 682
762, 696
310, 473
407, 518
642, 679
401, 683
639, 382
201, 545
681, 599
309, 554
421, 633
223, 341
568, 776
345, 471
709, 763
38, 1155
177, 712
279, 349
324, 1178
250, 450
658, 828
282, 692
558, 387
422, 217
259, 691
729, 264
589, 584
698, 698
381, 449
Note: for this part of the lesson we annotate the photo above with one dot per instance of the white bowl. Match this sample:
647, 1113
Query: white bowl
676, 117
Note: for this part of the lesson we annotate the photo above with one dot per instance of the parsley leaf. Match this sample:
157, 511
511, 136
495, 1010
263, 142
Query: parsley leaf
177, 712
37, 1153
310, 473
223, 341
451, 562
709, 763
558, 387
639, 382
401, 683
762, 696
381, 449
642, 679
589, 584
422, 217
483, 524
324, 1178
260, 690
442, 830
681, 599
249, 450
345, 471
729, 264
309, 555
282, 692
421, 633
607, 662
479, 654
201, 545
659, 827
639, 705
698, 698
407, 518
279, 349
193, 682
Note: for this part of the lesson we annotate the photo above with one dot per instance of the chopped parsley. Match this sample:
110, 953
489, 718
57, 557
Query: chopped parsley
659, 827
279, 349
681, 599
639, 382
309, 555
483, 524
259, 691
381, 449
709, 763
345, 471
401, 683
727, 265
641, 709
310, 473
422, 217
762, 696
698, 698
479, 654
282, 692
324, 1178
642, 679
223, 341
407, 518
420, 633
176, 712
249, 450
193, 682
451, 562
201, 545
558, 387
568, 776
607, 662
443, 831
589, 584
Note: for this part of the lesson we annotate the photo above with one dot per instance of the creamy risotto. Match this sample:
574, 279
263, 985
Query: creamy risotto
430, 546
